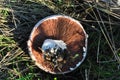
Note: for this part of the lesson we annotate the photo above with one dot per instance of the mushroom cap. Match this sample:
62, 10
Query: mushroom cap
66, 29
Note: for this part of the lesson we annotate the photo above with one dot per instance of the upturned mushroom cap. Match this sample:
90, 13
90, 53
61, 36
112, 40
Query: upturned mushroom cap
58, 28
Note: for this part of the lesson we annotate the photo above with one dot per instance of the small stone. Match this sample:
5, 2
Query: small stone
52, 50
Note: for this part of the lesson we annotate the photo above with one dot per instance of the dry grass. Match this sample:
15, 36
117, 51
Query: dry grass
17, 18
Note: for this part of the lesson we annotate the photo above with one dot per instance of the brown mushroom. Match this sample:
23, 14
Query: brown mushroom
58, 44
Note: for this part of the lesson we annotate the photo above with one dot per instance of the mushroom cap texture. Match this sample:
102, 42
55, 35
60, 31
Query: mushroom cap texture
59, 27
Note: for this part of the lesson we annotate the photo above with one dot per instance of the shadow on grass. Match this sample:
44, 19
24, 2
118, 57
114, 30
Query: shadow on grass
27, 16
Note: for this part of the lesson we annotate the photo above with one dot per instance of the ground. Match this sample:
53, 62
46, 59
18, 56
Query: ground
100, 20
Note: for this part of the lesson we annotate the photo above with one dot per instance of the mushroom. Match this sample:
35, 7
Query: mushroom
58, 44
